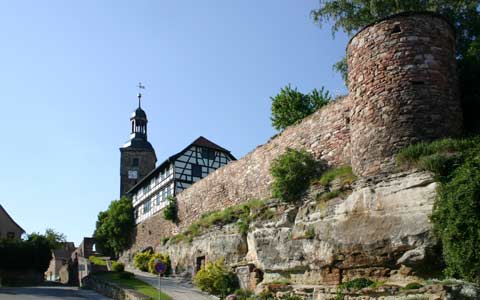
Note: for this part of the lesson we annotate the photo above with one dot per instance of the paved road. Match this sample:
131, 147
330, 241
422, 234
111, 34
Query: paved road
48, 293
176, 288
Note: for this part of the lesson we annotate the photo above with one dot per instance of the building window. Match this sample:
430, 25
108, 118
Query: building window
10, 235
147, 206
135, 162
196, 170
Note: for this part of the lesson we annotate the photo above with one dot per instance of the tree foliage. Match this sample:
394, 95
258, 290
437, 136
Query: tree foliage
456, 220
290, 105
352, 15
53, 238
19, 255
292, 172
114, 227
456, 213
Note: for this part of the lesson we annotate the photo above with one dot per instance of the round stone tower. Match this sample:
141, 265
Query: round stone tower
403, 87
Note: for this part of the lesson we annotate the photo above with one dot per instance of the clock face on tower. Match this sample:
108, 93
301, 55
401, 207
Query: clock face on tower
132, 174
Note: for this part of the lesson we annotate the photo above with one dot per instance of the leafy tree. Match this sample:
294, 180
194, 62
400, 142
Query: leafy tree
114, 227
19, 255
352, 15
290, 105
54, 239
292, 172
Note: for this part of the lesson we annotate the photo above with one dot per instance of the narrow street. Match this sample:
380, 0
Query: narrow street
51, 292
176, 288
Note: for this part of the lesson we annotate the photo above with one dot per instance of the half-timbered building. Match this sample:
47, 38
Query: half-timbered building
175, 174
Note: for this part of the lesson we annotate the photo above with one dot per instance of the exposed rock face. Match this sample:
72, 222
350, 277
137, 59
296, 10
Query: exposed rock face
361, 236
368, 234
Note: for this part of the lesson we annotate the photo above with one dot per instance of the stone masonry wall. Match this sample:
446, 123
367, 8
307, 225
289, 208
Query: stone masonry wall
403, 88
325, 134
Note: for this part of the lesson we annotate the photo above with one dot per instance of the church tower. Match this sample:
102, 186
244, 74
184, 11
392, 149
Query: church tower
137, 156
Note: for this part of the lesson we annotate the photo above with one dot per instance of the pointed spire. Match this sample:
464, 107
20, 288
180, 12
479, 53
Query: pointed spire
139, 95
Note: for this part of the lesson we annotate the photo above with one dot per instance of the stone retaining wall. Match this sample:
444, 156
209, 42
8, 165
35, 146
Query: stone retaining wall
325, 134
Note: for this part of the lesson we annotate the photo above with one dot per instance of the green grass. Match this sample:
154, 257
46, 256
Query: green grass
241, 214
329, 195
134, 284
343, 173
439, 157
97, 261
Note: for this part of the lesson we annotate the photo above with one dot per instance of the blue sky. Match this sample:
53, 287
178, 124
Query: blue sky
68, 76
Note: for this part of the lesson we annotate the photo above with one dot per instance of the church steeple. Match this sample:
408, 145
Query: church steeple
137, 155
139, 121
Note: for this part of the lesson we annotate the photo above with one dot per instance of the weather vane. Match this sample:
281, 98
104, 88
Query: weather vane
139, 95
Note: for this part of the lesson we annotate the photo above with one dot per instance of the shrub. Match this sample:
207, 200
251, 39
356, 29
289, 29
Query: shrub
164, 258
292, 172
456, 213
118, 267
290, 106
412, 286
216, 278
357, 284
141, 259
456, 219
170, 211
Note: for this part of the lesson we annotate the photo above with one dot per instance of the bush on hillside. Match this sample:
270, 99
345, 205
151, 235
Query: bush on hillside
456, 213
141, 259
164, 258
292, 172
216, 278
170, 211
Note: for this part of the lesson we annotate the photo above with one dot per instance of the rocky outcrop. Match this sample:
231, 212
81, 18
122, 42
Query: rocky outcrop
380, 230
367, 234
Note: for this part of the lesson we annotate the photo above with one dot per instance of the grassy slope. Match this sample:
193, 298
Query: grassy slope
135, 284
